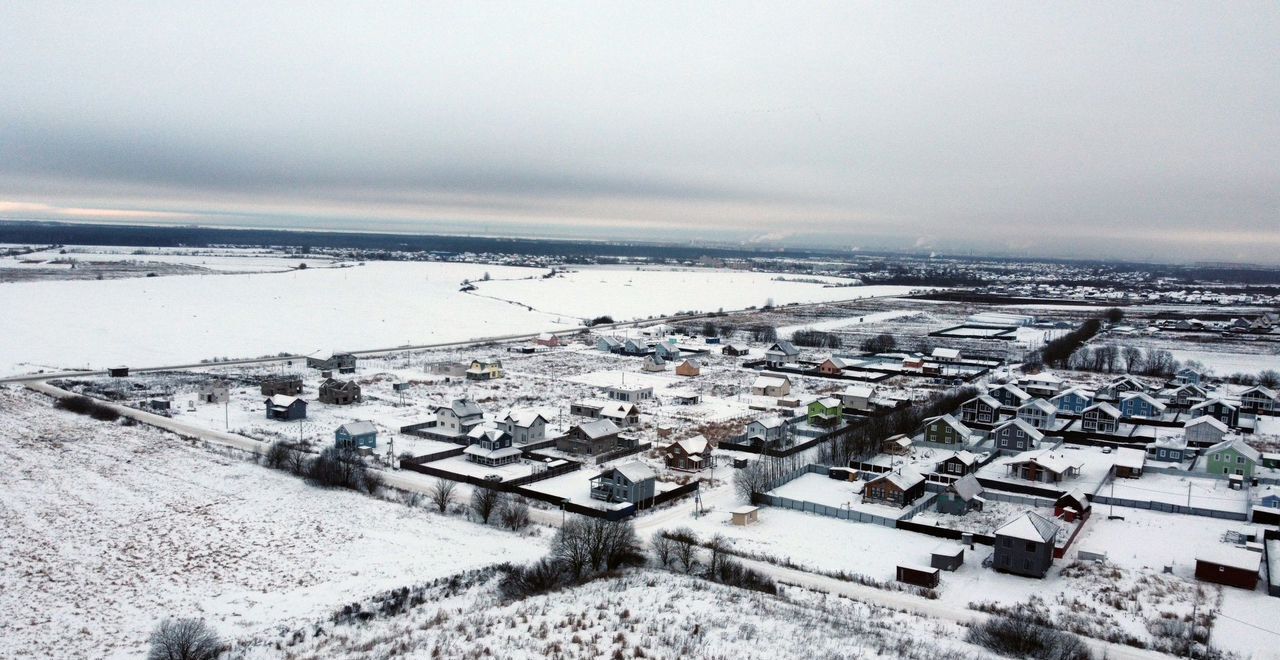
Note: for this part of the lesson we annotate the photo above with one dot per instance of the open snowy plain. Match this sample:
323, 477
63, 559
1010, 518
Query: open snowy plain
144, 321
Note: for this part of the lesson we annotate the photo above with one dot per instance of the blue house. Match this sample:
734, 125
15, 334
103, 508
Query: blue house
356, 435
667, 352
1074, 401
1171, 448
1140, 404
286, 408
1188, 376
609, 344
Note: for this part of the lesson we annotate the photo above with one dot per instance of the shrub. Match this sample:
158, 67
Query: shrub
184, 639
83, 405
514, 514
484, 501
536, 578
441, 494
277, 456
1019, 638
882, 343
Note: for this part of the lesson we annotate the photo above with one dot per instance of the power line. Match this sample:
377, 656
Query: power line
1246, 623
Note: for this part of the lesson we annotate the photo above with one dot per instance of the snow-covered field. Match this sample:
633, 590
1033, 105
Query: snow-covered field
182, 319
108, 529
237, 260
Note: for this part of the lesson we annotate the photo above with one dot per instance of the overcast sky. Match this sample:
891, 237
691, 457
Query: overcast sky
1147, 130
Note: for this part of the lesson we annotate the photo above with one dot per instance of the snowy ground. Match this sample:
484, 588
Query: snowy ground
109, 528
1203, 493
238, 260
821, 489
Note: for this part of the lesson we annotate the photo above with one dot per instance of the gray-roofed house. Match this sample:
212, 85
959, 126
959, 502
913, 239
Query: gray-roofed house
1220, 409
667, 351
1100, 418
1260, 399
524, 426
283, 407
344, 363
961, 496
946, 430
900, 487
781, 353
609, 344
1024, 545
654, 363
1204, 430
1188, 376
1140, 404
490, 446
458, 418
590, 438
356, 435
768, 431
1038, 413
981, 409
1009, 395
1016, 435
958, 464
1185, 396
631, 482
1074, 400
1232, 457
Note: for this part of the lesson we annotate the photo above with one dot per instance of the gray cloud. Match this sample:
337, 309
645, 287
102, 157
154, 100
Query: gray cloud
1096, 129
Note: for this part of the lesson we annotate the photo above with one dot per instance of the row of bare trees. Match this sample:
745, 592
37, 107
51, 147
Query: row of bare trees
486, 504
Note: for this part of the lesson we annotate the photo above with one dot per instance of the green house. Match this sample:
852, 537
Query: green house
1232, 457
825, 412
946, 430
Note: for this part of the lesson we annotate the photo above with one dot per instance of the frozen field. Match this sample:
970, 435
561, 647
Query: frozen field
217, 259
183, 319
109, 528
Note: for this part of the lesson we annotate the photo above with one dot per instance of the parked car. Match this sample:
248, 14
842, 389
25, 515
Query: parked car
493, 477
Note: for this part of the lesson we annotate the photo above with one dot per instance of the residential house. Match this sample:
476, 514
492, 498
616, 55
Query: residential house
771, 386
356, 435
490, 446
547, 339
634, 348
1009, 395
344, 363
945, 355
1260, 399
1016, 435
1038, 413
1188, 376
458, 418
858, 397
898, 445
1140, 404
629, 393
961, 496
832, 366
590, 438
623, 414
484, 369
524, 426
1232, 457
339, 392
825, 412
689, 455
217, 392
658, 331
1185, 396
900, 487
1044, 466
1073, 401
1043, 385
1170, 448
1100, 418
1113, 390
735, 350
689, 368
981, 409
1203, 431
1024, 545
946, 430
286, 385
1220, 409
781, 353
958, 464
631, 482
654, 363
767, 431
285, 408
609, 344
668, 352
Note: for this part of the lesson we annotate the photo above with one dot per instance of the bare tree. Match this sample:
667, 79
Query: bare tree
184, 639
441, 494
663, 548
716, 545
750, 481
484, 501
515, 514
686, 547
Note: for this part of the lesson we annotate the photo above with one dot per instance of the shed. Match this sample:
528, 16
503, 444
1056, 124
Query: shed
947, 556
118, 372
1229, 565
745, 515
921, 576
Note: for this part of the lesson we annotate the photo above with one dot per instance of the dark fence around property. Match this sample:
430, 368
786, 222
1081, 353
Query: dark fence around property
620, 453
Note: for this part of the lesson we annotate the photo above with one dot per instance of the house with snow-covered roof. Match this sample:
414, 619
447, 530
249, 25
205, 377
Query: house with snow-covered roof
768, 431
1044, 466
773, 385
858, 397
946, 430
1009, 395
961, 496
1038, 413
524, 426
1222, 410
1073, 401
356, 435
1044, 385
1101, 417
631, 482
1016, 435
1140, 404
899, 487
689, 455
490, 446
981, 409
1260, 399
285, 408
1024, 545
1232, 457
